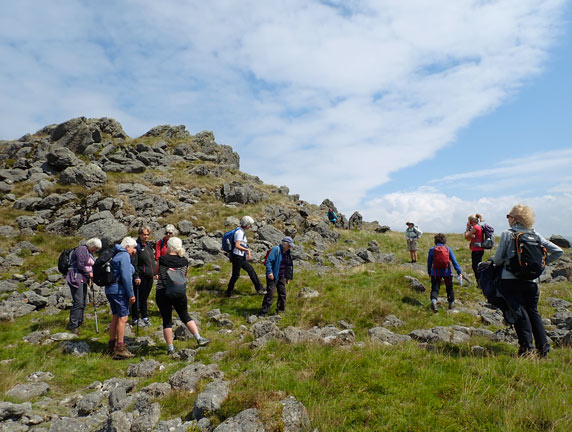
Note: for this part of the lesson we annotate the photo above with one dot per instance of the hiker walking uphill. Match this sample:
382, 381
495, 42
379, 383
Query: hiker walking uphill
279, 272
523, 253
332, 216
412, 234
78, 276
439, 262
171, 292
144, 263
474, 233
120, 295
240, 255
161, 246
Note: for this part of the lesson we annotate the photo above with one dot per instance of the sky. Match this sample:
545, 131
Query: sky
401, 110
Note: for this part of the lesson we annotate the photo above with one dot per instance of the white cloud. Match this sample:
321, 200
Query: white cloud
321, 96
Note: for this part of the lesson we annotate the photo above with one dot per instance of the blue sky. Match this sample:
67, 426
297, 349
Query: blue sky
428, 111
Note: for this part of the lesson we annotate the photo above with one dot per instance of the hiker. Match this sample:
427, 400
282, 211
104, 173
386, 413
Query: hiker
161, 246
78, 277
439, 267
144, 263
474, 233
521, 294
279, 272
240, 256
120, 295
174, 260
332, 216
412, 234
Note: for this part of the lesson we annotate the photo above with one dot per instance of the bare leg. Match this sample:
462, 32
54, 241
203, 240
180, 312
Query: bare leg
168, 335
192, 326
121, 321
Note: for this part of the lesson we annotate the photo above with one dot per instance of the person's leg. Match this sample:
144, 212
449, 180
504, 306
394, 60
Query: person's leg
120, 332
180, 306
476, 258
83, 302
113, 328
435, 287
415, 256
168, 335
78, 305
281, 289
512, 290
268, 297
144, 291
530, 297
450, 293
236, 261
253, 276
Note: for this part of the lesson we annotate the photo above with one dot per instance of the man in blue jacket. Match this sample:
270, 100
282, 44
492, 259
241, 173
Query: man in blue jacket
120, 295
279, 272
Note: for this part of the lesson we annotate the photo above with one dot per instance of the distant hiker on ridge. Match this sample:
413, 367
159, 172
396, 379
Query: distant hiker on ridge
240, 255
439, 267
332, 216
412, 234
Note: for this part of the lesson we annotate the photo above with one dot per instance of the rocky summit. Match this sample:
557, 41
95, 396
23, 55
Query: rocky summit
86, 178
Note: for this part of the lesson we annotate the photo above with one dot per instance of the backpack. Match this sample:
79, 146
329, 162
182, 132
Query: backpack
64, 261
266, 256
102, 272
529, 259
488, 241
227, 240
489, 279
440, 257
175, 283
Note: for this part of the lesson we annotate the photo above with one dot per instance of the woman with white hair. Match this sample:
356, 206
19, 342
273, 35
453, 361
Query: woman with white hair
174, 261
520, 293
161, 246
239, 258
79, 274
120, 295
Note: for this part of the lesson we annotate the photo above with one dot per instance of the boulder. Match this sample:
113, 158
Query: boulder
240, 193
561, 241
109, 231
386, 337
245, 421
145, 368
355, 221
294, 415
61, 158
270, 234
188, 377
8, 231
12, 411
415, 284
88, 404
211, 399
28, 391
89, 176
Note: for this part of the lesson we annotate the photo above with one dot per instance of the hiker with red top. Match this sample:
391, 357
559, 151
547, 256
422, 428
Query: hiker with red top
474, 233
161, 246
439, 267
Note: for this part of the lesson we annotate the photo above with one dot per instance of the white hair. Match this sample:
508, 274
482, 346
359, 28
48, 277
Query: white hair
128, 242
171, 228
175, 244
246, 221
94, 243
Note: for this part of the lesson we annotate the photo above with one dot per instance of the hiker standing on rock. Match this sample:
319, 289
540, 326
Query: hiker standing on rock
240, 256
79, 274
120, 295
161, 246
412, 234
279, 272
474, 233
174, 261
521, 293
332, 216
439, 267
144, 263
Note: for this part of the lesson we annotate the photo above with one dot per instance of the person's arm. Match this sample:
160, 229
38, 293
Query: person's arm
270, 262
554, 252
126, 275
471, 233
501, 252
429, 261
135, 264
454, 261
82, 257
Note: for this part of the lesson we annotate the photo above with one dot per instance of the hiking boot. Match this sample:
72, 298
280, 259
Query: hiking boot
261, 292
147, 321
434, 306
121, 352
202, 341
171, 350
110, 347
135, 323
451, 304
526, 352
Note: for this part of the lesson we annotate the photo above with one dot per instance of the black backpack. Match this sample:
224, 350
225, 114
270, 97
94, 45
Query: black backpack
64, 261
102, 272
529, 259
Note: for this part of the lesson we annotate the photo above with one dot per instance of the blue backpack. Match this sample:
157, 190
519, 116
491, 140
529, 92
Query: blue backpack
228, 240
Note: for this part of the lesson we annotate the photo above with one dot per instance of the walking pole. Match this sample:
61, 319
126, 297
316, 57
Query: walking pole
138, 311
94, 305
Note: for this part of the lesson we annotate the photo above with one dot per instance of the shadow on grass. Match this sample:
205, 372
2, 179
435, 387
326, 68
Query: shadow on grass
464, 350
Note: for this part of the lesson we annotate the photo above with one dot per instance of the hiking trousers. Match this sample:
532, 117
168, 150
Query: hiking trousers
476, 258
239, 262
271, 286
79, 297
436, 286
139, 308
522, 297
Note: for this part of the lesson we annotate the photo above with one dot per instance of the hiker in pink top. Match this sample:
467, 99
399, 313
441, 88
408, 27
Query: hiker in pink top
474, 233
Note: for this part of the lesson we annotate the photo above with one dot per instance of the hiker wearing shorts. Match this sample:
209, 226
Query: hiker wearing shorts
279, 272
521, 294
439, 262
412, 234
240, 256
474, 233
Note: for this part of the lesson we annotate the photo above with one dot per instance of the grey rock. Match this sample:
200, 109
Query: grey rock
89, 176
9, 410
30, 222
7, 285
157, 389
107, 230
264, 327
392, 321
231, 221
29, 203
8, 231
185, 354
307, 293
145, 368
119, 421
37, 337
63, 336
240, 193
211, 399
40, 376
67, 424
562, 319
185, 227
245, 421
36, 300
168, 132
188, 377
556, 303
88, 404
211, 245
182, 333
148, 418
76, 348
125, 383
492, 317
386, 337
355, 221
561, 241
61, 158
117, 399
415, 284
270, 234
294, 415
28, 391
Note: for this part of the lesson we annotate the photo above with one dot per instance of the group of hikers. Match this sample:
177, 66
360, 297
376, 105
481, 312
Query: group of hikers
517, 262
135, 264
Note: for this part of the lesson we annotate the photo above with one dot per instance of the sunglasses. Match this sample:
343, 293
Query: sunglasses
169, 233
509, 216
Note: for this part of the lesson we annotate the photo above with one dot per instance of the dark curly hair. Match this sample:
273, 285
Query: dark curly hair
440, 238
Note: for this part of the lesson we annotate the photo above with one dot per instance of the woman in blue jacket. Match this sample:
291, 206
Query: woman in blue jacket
279, 272
439, 267
120, 295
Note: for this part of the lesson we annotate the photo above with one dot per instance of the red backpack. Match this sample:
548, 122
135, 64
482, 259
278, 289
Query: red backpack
440, 257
